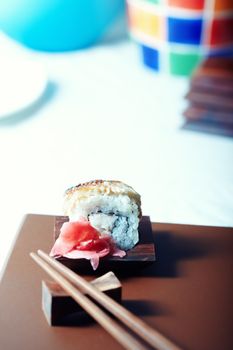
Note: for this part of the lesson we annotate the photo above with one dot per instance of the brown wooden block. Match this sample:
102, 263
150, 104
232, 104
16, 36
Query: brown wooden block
198, 113
139, 256
215, 128
213, 86
220, 68
211, 101
215, 75
60, 309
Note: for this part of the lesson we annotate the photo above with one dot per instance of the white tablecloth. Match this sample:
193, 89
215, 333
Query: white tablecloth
106, 116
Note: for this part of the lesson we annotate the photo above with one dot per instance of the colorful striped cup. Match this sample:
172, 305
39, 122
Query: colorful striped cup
174, 35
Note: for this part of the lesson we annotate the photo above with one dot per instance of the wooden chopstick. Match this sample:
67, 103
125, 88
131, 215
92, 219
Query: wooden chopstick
150, 335
122, 336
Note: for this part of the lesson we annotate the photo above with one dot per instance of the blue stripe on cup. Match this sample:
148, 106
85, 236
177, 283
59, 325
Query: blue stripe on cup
150, 57
184, 31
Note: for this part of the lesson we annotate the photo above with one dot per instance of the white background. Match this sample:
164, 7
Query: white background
104, 115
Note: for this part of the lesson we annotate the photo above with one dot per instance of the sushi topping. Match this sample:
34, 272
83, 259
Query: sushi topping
80, 240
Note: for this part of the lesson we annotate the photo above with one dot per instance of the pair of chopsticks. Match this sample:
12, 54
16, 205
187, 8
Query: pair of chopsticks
76, 286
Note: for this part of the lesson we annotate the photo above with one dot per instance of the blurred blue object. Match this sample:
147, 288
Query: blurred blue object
58, 25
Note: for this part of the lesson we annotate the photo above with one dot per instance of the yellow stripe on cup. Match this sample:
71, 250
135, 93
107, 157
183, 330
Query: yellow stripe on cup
145, 22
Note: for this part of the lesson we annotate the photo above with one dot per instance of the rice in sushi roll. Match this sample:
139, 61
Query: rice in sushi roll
111, 207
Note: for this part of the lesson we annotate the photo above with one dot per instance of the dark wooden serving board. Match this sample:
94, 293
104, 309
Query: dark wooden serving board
140, 256
186, 294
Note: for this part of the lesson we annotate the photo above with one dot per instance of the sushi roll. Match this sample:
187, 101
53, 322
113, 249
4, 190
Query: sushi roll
111, 207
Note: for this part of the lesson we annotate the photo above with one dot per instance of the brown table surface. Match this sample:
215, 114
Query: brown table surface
186, 294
